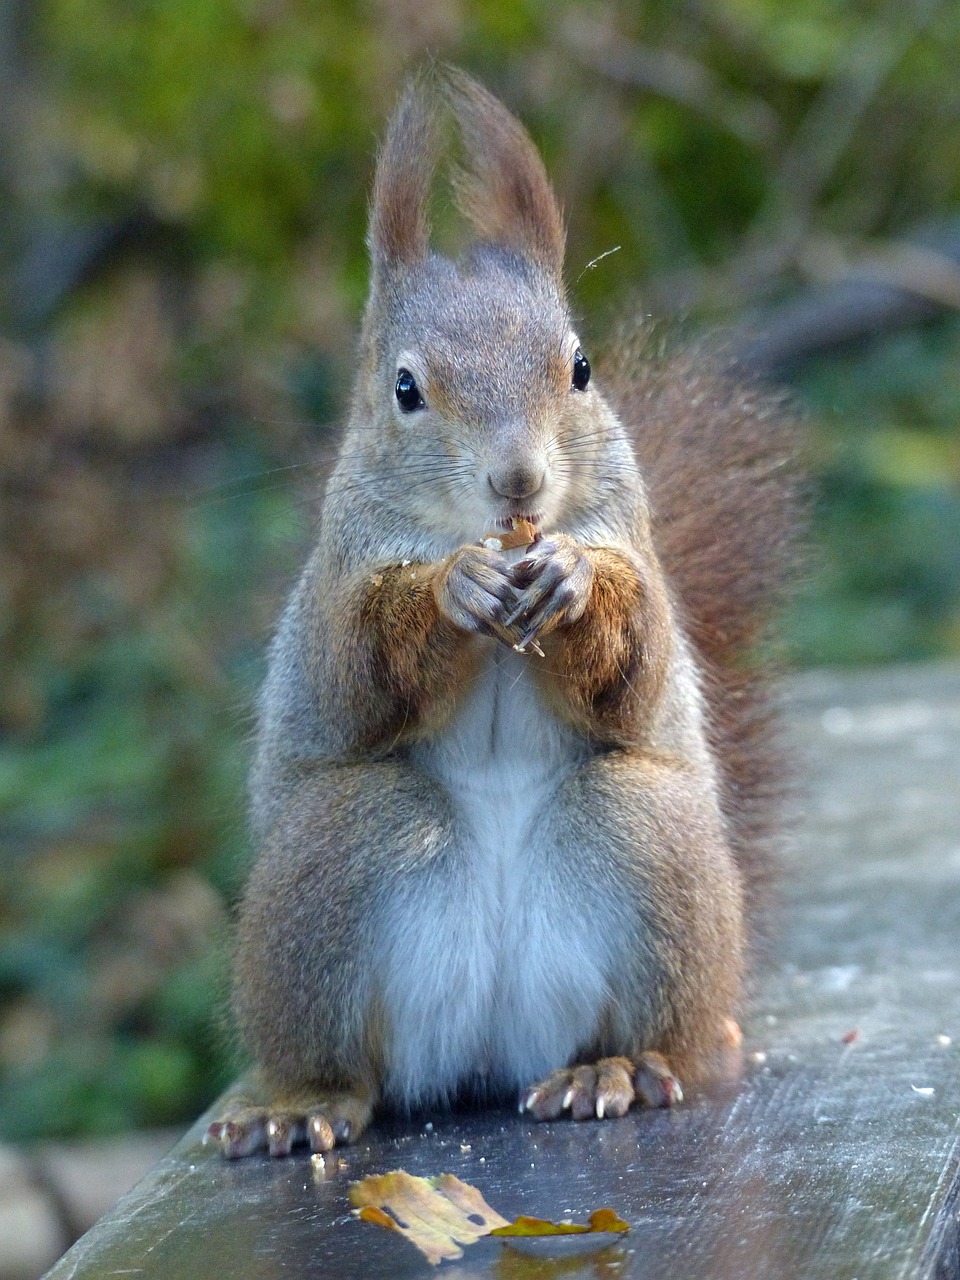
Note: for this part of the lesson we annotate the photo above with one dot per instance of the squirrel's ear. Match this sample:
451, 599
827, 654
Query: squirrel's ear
504, 191
399, 232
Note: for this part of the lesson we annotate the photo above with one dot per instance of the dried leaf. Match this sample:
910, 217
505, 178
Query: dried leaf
436, 1214
440, 1214
600, 1220
370, 1213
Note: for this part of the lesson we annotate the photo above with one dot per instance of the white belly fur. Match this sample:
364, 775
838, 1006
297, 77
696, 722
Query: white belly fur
499, 975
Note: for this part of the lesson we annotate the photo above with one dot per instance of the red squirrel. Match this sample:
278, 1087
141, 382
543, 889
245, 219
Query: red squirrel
512, 806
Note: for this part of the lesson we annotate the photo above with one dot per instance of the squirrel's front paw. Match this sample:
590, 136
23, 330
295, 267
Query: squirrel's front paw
474, 590
318, 1122
553, 583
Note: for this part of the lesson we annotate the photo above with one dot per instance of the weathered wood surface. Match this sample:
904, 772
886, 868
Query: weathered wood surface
837, 1157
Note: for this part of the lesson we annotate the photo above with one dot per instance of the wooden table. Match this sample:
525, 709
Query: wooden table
836, 1159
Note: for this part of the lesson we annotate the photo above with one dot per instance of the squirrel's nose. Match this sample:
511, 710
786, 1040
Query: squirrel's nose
520, 481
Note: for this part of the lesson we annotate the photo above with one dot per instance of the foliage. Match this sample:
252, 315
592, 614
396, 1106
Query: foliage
206, 163
885, 584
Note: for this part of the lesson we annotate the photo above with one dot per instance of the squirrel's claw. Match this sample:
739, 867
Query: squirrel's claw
321, 1123
475, 591
597, 1090
554, 586
655, 1083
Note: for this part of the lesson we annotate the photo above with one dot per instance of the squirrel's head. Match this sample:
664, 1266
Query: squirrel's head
474, 395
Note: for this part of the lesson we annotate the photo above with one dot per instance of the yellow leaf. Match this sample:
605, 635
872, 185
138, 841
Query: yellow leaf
600, 1220
370, 1213
436, 1214
440, 1214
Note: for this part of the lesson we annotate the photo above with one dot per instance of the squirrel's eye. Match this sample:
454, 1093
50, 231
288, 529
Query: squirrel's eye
581, 370
408, 393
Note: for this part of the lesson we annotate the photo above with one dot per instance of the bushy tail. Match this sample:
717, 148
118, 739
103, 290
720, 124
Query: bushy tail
719, 458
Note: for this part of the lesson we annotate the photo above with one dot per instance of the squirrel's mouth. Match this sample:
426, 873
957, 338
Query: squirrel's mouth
508, 522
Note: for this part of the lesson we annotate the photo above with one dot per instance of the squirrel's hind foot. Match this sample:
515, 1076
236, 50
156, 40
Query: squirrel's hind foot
604, 1088
320, 1121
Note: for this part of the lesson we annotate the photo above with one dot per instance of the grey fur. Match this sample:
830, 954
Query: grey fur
474, 870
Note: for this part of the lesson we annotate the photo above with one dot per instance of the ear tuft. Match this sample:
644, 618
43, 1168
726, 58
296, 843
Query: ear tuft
504, 191
399, 231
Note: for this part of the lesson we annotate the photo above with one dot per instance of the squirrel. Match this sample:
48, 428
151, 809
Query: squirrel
514, 807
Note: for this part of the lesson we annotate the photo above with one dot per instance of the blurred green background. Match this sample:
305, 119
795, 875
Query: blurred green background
182, 199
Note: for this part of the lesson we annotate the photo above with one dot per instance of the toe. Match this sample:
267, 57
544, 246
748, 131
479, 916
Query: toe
615, 1091
319, 1133
549, 1098
242, 1134
655, 1083
582, 1093
285, 1129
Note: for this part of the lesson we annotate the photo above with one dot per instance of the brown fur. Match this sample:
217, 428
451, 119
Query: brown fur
719, 456
399, 233
402, 660
505, 193
389, 923
606, 670
649, 801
